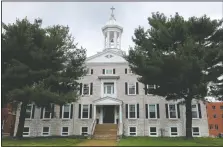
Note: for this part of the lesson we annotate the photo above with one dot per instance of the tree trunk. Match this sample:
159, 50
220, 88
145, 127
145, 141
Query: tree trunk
188, 118
19, 133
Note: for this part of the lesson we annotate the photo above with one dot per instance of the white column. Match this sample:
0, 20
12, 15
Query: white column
120, 113
108, 37
105, 40
94, 111
120, 38
101, 115
115, 39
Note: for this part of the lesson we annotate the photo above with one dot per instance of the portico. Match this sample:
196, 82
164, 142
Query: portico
107, 110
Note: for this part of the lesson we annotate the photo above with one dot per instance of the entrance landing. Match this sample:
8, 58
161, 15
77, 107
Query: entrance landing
98, 143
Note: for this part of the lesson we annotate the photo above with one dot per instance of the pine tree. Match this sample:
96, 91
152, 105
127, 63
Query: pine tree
175, 55
39, 65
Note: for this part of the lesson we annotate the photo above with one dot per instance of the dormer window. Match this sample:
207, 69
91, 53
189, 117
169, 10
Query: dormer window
109, 56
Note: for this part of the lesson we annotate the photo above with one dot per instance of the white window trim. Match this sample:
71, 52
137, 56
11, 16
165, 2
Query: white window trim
44, 114
31, 113
84, 127
48, 132
149, 111
171, 132
106, 88
88, 72
61, 132
107, 70
175, 110
82, 111
147, 86
128, 89
28, 132
69, 111
193, 132
129, 130
157, 131
89, 85
135, 111
197, 111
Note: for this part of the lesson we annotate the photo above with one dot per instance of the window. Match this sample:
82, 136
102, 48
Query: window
84, 131
153, 131
26, 131
29, 111
47, 112
132, 111
85, 111
132, 88
195, 131
210, 126
172, 111
88, 71
108, 71
66, 111
216, 127
108, 88
86, 89
215, 116
46, 131
150, 87
213, 107
194, 111
173, 131
221, 107
132, 131
64, 131
152, 111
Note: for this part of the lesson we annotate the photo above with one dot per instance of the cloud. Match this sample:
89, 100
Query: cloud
86, 19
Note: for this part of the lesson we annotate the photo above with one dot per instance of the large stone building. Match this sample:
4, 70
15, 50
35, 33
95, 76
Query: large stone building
111, 97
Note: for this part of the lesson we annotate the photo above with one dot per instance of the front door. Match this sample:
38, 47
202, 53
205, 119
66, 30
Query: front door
108, 113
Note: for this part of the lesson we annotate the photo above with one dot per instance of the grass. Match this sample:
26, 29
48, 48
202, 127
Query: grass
41, 142
177, 141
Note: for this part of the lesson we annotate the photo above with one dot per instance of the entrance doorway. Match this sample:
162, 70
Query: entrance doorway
108, 114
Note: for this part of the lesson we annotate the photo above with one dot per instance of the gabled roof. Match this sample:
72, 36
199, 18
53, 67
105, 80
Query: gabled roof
108, 101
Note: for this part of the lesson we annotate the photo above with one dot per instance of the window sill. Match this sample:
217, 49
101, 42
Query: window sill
85, 95
132, 118
46, 119
173, 118
66, 119
196, 118
153, 135
131, 94
152, 118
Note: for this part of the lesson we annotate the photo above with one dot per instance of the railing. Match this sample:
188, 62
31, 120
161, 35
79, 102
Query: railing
93, 127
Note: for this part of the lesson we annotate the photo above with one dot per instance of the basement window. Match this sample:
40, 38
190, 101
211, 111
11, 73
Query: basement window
84, 131
132, 131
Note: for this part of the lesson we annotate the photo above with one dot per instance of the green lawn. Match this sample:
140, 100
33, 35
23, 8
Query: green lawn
40, 142
157, 141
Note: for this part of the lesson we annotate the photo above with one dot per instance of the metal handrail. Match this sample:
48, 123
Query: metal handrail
93, 127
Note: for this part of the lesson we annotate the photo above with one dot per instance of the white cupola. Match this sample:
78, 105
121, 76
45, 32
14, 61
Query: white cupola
112, 32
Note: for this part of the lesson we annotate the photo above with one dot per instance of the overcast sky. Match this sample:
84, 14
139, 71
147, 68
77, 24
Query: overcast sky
86, 19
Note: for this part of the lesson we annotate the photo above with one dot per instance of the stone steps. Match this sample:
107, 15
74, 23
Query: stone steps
105, 131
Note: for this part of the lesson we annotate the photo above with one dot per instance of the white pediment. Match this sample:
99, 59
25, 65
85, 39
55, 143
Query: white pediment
106, 57
107, 101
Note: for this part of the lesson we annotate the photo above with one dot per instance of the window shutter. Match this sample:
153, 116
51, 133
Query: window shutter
126, 88
33, 111
61, 110
90, 110
146, 110
158, 110
103, 71
79, 116
178, 110
92, 71
52, 110
113, 70
146, 90
81, 88
199, 110
126, 110
137, 110
71, 113
41, 113
137, 88
91, 89
125, 70
167, 113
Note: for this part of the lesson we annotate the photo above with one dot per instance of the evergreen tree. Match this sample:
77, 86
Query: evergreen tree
175, 55
39, 65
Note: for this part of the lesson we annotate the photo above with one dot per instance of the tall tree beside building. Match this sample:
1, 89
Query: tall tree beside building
174, 55
39, 65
